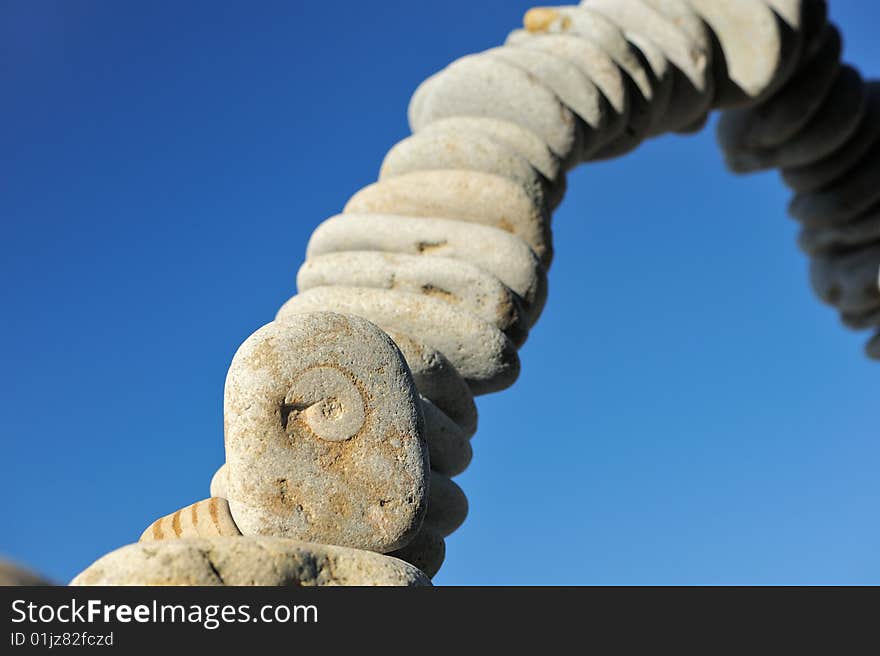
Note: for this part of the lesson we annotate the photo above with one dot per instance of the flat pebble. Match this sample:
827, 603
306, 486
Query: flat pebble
246, 561
448, 445
481, 353
447, 505
864, 230
13, 574
203, 519
486, 86
820, 174
465, 196
324, 434
427, 551
848, 281
496, 251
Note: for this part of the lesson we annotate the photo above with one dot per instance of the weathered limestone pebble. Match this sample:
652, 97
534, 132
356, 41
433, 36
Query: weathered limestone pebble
218, 487
447, 505
13, 574
496, 251
819, 174
448, 446
862, 319
777, 119
872, 348
324, 436
489, 87
832, 125
596, 65
461, 284
481, 353
203, 519
439, 381
571, 86
463, 195
516, 137
592, 26
848, 281
751, 52
662, 75
463, 150
863, 230
426, 551
843, 201
247, 561
682, 38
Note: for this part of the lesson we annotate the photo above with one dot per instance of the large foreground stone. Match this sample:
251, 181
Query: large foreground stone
246, 561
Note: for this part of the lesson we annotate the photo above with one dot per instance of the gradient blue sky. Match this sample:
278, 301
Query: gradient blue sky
688, 412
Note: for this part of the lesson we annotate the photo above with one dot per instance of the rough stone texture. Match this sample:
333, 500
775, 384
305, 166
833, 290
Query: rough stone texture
820, 174
246, 561
481, 353
864, 230
752, 53
570, 85
437, 380
463, 150
521, 140
203, 519
596, 65
782, 116
469, 196
426, 551
682, 38
447, 505
460, 284
485, 86
13, 574
829, 129
594, 27
506, 257
848, 281
218, 486
448, 445
324, 434
844, 200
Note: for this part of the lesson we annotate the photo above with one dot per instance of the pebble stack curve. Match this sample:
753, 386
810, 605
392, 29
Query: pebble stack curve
347, 417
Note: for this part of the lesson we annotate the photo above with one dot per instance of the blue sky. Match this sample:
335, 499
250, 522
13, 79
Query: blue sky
687, 413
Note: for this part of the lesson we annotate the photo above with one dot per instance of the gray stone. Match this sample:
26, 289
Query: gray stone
872, 348
752, 50
465, 196
448, 445
447, 505
426, 551
864, 230
495, 251
203, 519
13, 574
844, 200
481, 353
779, 118
437, 380
592, 26
463, 150
458, 283
570, 85
836, 121
246, 561
820, 174
486, 86
848, 280
218, 482
683, 39
324, 434
861, 320
595, 64
522, 140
